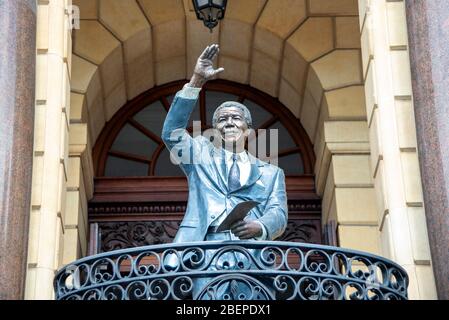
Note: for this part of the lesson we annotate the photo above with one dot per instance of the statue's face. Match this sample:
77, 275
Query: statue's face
231, 124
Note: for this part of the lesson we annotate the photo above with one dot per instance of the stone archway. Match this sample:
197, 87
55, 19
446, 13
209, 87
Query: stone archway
305, 53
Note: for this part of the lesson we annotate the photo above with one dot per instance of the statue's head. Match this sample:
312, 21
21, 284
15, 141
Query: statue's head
232, 120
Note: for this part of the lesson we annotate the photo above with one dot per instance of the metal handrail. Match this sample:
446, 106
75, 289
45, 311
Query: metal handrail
237, 270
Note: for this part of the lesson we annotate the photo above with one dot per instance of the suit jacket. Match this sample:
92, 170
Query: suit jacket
209, 196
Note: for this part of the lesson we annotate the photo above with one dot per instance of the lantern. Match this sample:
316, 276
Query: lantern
210, 11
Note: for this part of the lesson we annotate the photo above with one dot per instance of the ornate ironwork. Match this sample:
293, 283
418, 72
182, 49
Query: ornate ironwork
131, 234
240, 270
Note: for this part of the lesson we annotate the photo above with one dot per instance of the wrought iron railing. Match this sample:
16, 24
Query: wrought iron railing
235, 270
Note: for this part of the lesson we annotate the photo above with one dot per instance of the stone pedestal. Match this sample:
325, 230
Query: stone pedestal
17, 90
428, 29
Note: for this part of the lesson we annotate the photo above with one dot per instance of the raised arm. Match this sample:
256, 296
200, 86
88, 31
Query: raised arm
174, 135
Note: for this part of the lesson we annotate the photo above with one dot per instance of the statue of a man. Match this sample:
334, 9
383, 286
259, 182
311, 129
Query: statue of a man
226, 175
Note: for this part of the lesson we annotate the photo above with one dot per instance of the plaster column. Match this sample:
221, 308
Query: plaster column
428, 31
17, 91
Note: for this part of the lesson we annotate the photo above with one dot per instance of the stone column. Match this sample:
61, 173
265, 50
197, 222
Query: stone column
17, 90
428, 31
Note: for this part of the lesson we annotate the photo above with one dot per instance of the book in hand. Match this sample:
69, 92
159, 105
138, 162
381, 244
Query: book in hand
238, 213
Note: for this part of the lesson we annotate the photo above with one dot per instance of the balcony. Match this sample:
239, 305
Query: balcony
234, 270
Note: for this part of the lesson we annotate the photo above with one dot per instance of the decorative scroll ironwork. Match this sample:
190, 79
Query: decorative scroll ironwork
302, 230
240, 270
131, 234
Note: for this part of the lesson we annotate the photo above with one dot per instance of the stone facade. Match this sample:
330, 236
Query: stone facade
347, 82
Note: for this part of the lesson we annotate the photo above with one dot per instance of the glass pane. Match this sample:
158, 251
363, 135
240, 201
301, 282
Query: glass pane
213, 100
202, 2
117, 167
131, 140
165, 168
285, 141
258, 114
152, 117
291, 164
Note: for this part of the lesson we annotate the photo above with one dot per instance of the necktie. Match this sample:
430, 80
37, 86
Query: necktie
234, 174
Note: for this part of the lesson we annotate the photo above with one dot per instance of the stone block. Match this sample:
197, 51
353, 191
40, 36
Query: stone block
412, 178
82, 73
139, 75
159, 12
333, 7
115, 100
346, 103
290, 98
345, 131
41, 77
294, 68
313, 85
313, 38
380, 188
370, 92
78, 108
338, 69
400, 70
347, 32
96, 118
397, 24
235, 69
363, 238
352, 171
123, 17
39, 128
269, 43
264, 73
33, 237
170, 70
71, 252
88, 8
169, 40
418, 235
247, 11
74, 174
405, 124
94, 42
356, 206
375, 143
426, 283
42, 32
328, 193
56, 30
281, 17
235, 39
363, 11
38, 181
309, 114
385, 239
47, 242
367, 45
113, 74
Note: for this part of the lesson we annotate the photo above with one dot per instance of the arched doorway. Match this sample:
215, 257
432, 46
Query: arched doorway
140, 196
